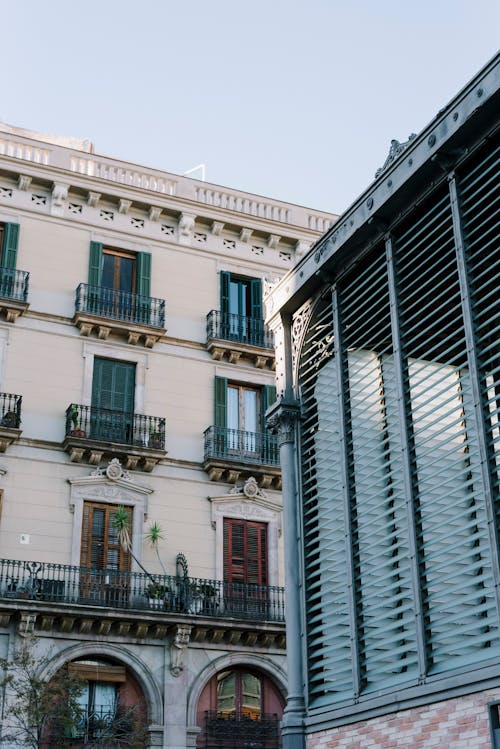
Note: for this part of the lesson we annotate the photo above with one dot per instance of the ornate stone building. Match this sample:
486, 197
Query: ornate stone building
135, 372
388, 373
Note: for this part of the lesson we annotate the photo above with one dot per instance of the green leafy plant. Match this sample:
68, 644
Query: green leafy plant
207, 590
74, 415
156, 590
153, 537
40, 712
121, 524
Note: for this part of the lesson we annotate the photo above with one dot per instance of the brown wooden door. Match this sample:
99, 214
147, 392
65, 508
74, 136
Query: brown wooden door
106, 563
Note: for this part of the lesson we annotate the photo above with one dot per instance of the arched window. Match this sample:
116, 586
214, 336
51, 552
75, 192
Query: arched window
240, 707
239, 693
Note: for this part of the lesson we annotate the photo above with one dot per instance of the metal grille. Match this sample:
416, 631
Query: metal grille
479, 195
120, 305
375, 496
399, 559
455, 580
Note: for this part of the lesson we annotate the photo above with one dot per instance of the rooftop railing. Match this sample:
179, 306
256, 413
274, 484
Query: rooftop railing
14, 284
120, 305
248, 447
111, 588
239, 329
106, 425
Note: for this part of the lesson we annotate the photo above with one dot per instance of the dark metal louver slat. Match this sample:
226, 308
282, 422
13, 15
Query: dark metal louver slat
452, 523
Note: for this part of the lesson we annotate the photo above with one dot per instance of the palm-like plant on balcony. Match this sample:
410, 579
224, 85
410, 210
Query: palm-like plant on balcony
154, 590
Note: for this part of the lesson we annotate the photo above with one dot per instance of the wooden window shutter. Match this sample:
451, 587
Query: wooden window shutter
224, 291
256, 298
10, 242
85, 542
95, 263
255, 553
245, 551
220, 402
143, 285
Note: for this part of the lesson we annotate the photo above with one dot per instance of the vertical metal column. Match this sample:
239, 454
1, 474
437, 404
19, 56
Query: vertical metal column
348, 522
406, 448
475, 377
282, 419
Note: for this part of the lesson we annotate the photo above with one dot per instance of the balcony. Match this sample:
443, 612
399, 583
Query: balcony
236, 336
231, 454
13, 292
10, 419
104, 311
229, 731
48, 596
94, 434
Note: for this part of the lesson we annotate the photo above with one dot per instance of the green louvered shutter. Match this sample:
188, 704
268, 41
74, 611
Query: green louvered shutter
220, 402
113, 389
10, 242
269, 442
256, 298
224, 291
268, 398
220, 415
95, 264
143, 286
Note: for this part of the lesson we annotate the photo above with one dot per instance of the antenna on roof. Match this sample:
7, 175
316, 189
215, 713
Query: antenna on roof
201, 167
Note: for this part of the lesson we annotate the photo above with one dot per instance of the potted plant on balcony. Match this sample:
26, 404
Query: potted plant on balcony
157, 594
156, 440
74, 415
209, 595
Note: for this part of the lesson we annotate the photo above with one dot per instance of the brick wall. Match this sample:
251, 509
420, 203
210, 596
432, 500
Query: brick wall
460, 723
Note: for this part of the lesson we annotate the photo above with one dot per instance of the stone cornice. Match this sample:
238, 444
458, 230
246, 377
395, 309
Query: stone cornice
125, 181
107, 623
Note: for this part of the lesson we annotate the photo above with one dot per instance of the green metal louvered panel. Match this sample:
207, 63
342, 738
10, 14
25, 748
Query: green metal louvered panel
327, 603
479, 198
454, 549
382, 571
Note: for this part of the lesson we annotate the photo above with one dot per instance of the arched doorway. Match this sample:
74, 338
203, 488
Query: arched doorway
240, 707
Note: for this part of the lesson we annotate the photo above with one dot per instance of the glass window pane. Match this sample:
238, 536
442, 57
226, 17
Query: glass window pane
126, 277
108, 271
232, 408
250, 407
250, 695
226, 693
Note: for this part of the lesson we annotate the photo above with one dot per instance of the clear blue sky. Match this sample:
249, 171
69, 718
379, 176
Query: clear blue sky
294, 99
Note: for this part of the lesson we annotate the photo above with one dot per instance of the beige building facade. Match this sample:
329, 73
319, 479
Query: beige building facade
135, 371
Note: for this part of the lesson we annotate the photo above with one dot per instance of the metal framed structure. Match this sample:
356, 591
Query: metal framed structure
387, 345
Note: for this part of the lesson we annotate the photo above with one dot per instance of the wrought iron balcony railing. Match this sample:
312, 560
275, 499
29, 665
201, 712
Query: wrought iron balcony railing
105, 425
10, 410
14, 284
236, 731
239, 329
260, 448
120, 305
111, 588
